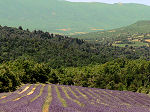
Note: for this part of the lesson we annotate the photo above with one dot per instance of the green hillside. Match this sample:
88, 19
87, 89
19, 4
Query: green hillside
37, 56
138, 28
57, 50
65, 17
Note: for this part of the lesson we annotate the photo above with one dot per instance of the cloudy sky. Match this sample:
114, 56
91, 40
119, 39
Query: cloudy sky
146, 2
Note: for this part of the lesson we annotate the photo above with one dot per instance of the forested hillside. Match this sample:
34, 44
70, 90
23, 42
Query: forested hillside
119, 74
76, 17
57, 50
63, 56
31, 57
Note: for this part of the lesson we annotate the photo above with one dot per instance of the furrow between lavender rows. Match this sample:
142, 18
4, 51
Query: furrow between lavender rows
15, 95
22, 100
4, 95
124, 98
59, 98
133, 98
48, 100
56, 103
72, 104
36, 104
126, 103
83, 98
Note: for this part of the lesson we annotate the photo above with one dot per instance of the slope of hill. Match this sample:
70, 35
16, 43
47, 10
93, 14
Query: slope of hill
24, 55
69, 17
57, 50
137, 34
138, 27
58, 98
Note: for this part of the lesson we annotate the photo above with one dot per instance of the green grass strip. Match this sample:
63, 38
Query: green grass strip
25, 89
73, 92
87, 92
94, 93
81, 93
41, 91
101, 100
15, 97
27, 93
4, 95
48, 100
76, 101
63, 101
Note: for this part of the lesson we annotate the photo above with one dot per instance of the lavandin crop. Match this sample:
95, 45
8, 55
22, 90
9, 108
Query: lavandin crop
59, 98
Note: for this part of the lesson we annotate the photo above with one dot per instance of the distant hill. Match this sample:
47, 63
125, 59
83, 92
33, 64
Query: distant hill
59, 98
60, 16
136, 28
58, 50
37, 56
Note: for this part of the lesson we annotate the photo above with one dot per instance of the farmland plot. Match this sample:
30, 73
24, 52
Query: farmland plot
58, 98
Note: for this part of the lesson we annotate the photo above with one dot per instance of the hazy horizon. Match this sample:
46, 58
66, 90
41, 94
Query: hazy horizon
145, 2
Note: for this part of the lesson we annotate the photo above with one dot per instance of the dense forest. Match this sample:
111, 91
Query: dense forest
119, 74
57, 50
37, 56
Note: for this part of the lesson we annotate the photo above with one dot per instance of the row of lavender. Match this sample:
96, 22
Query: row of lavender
58, 98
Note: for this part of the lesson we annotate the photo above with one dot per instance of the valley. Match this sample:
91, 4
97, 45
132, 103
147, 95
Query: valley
137, 34
85, 56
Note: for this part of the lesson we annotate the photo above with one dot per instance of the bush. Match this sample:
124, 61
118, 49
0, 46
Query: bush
8, 79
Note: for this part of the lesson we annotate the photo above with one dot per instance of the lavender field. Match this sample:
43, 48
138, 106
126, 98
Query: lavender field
58, 98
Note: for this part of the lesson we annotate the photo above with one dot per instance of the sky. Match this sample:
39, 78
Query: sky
146, 2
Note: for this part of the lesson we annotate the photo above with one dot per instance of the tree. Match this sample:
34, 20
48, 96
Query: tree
20, 28
8, 79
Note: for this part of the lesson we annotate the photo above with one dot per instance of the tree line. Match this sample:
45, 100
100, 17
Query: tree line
58, 50
120, 74
41, 57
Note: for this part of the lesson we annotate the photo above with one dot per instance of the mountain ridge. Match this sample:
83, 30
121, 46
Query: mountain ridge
66, 17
